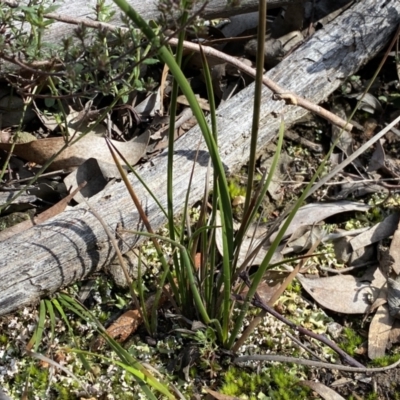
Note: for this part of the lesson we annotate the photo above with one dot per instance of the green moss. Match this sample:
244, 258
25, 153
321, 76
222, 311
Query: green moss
64, 393
14, 219
350, 341
294, 287
385, 361
3, 339
230, 389
235, 189
39, 377
276, 382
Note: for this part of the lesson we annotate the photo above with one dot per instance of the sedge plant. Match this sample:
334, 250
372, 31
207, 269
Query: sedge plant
202, 289
205, 291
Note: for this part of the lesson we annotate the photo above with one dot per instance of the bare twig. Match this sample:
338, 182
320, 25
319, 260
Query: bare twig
311, 363
258, 318
42, 217
257, 301
280, 93
33, 66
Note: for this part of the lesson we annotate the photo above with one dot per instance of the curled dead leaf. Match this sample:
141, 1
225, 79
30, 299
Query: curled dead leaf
90, 146
344, 293
128, 322
324, 391
379, 332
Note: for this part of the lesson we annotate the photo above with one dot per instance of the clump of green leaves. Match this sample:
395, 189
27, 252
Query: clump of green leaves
276, 382
351, 340
235, 189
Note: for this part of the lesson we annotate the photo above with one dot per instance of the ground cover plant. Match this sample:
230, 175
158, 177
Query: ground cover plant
209, 335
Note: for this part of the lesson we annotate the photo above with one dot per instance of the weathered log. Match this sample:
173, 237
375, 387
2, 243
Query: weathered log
148, 9
72, 245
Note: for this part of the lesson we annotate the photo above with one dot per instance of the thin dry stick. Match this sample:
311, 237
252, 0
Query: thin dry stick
258, 318
257, 302
322, 182
311, 363
353, 156
280, 92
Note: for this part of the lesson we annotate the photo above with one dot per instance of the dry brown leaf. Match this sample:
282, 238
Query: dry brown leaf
380, 300
272, 282
344, 293
96, 173
324, 391
304, 238
125, 325
377, 161
343, 139
368, 102
345, 254
380, 231
150, 105
393, 295
129, 321
90, 146
203, 103
379, 332
280, 172
212, 394
395, 250
248, 244
163, 84
76, 121
394, 336
51, 212
316, 212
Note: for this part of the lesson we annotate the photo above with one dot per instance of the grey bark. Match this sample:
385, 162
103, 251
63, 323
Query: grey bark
148, 10
72, 245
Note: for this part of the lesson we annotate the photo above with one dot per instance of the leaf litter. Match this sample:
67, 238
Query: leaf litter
346, 294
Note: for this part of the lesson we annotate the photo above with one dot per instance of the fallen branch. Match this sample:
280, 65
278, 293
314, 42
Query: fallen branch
148, 9
280, 93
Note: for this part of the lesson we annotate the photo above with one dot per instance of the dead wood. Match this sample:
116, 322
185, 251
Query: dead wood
146, 8
72, 245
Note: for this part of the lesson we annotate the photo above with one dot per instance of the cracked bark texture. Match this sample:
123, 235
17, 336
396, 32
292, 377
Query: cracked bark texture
72, 245
147, 9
